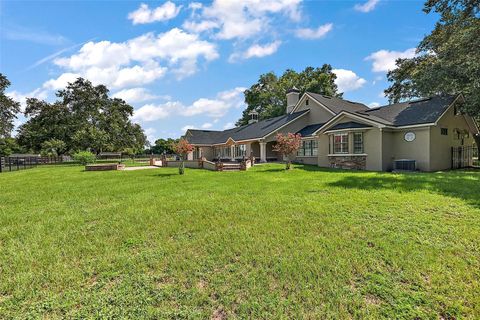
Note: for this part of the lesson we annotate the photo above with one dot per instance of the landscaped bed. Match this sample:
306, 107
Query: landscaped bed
104, 167
263, 243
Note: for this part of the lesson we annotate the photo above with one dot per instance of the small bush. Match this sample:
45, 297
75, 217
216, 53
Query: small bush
84, 157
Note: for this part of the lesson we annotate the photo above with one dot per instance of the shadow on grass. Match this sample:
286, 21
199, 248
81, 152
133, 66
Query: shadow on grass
464, 185
164, 175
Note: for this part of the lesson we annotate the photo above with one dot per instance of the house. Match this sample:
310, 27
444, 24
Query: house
345, 134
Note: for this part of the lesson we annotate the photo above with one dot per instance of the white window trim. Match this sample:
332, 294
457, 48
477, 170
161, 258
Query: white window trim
343, 134
353, 142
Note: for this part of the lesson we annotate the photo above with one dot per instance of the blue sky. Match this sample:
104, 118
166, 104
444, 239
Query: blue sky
185, 64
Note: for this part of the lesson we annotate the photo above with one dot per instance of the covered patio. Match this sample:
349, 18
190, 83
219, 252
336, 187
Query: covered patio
235, 151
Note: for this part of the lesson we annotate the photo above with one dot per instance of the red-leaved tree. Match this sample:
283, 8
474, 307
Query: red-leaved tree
287, 145
182, 148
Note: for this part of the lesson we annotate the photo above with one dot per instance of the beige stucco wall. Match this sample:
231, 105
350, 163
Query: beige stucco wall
372, 145
317, 114
441, 146
387, 150
323, 141
418, 149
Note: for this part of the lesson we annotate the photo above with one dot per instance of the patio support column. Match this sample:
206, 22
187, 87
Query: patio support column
263, 152
232, 152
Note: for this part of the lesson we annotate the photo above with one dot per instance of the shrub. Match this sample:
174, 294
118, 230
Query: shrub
84, 157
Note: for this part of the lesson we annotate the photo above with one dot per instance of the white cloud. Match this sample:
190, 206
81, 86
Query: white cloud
187, 127
152, 112
137, 61
228, 125
144, 14
151, 134
241, 19
256, 51
384, 60
262, 51
195, 5
348, 80
134, 95
214, 108
317, 33
61, 82
367, 6
201, 26
374, 105
207, 125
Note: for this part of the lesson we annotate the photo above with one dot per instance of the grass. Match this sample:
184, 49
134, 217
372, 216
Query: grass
309, 243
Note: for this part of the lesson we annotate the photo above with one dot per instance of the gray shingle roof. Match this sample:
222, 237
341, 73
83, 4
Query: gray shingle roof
412, 112
349, 125
337, 105
250, 131
308, 130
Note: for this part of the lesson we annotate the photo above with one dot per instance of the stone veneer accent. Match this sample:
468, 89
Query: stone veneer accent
348, 162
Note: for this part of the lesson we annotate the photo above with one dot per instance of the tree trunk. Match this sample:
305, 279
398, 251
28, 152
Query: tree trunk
288, 165
181, 168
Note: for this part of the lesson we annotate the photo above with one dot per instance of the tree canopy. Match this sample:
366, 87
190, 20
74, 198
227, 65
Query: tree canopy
268, 95
164, 145
8, 109
83, 118
447, 60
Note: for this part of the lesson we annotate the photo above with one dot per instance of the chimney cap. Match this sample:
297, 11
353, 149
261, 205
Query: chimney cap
294, 90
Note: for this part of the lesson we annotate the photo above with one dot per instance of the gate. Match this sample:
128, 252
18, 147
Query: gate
462, 157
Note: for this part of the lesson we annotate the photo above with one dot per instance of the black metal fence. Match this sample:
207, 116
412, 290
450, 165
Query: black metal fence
463, 157
8, 164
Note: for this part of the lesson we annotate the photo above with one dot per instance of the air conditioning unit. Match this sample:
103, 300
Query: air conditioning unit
404, 165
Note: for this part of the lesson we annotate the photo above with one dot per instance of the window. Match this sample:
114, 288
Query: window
306, 102
358, 142
340, 143
301, 150
222, 152
308, 148
314, 147
444, 131
240, 150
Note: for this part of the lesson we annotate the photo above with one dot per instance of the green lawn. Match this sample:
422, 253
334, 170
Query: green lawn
309, 243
